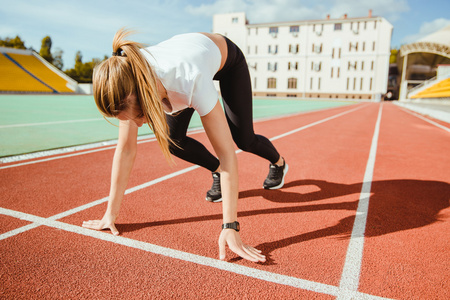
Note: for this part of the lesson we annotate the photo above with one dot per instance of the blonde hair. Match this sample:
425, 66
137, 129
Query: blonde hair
128, 73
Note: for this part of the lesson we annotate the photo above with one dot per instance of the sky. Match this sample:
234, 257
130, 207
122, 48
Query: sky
89, 26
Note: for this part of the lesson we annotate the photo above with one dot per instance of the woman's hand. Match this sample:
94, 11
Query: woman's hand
233, 239
107, 222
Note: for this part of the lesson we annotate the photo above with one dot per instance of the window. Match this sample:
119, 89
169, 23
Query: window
271, 83
318, 84
292, 66
354, 83
362, 66
332, 69
350, 46
339, 52
294, 29
293, 48
273, 50
339, 71
332, 53
338, 26
256, 49
254, 83
318, 67
371, 67
292, 83
273, 31
361, 84
348, 81
373, 46
235, 20
352, 66
311, 84
317, 48
370, 86
364, 46
272, 67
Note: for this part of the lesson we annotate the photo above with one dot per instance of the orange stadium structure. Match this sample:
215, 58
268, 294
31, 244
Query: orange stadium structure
24, 71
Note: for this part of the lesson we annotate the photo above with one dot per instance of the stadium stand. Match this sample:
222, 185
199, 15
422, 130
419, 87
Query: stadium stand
15, 79
437, 90
24, 71
420, 62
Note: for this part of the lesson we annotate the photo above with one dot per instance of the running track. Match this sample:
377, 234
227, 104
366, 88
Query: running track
364, 214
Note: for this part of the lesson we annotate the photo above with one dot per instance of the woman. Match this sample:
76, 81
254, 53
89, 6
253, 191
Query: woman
162, 85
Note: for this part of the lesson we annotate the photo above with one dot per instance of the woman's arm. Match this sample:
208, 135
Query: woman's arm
122, 164
219, 134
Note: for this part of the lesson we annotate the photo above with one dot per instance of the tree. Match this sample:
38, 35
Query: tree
82, 72
57, 58
393, 57
45, 51
13, 43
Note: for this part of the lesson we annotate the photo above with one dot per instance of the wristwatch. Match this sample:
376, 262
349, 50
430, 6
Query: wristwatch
235, 225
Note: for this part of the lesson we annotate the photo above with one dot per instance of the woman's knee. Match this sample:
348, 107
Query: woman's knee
247, 145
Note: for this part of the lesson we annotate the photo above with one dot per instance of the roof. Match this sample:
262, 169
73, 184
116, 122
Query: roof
436, 43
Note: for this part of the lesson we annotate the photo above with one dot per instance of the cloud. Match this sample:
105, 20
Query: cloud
425, 29
261, 11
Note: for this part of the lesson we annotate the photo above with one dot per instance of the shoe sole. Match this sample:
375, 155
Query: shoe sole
286, 169
214, 201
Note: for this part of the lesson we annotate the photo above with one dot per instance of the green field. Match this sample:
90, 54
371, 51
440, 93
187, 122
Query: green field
31, 123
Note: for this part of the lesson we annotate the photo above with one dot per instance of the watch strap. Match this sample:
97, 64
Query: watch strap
235, 225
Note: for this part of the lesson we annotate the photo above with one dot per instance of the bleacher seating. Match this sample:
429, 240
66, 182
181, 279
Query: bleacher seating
14, 79
24, 71
36, 67
439, 90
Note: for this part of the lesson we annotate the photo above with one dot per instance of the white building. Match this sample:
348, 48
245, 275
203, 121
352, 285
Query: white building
330, 58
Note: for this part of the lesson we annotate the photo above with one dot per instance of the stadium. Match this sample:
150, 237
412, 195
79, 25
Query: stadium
364, 211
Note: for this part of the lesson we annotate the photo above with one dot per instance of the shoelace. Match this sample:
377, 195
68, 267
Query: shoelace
275, 172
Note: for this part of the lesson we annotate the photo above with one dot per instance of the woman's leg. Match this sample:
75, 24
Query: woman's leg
188, 149
235, 86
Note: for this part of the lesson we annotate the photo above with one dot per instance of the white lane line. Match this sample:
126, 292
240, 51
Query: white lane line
79, 151
185, 256
426, 119
49, 123
315, 123
352, 267
128, 191
68, 155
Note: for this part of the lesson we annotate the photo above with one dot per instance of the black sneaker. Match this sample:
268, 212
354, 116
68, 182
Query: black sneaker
275, 179
215, 193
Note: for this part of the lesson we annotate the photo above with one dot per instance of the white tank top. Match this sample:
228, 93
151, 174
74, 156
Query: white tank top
186, 65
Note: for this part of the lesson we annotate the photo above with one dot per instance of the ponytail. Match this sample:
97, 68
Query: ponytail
126, 73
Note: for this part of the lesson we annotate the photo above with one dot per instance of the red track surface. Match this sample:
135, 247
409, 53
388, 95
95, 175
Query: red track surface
168, 242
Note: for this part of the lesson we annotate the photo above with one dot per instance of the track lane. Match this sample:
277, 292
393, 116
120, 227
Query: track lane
406, 254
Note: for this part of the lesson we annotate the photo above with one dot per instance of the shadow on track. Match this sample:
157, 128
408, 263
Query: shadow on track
395, 205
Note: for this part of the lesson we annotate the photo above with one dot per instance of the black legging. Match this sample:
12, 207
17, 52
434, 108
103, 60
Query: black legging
235, 87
